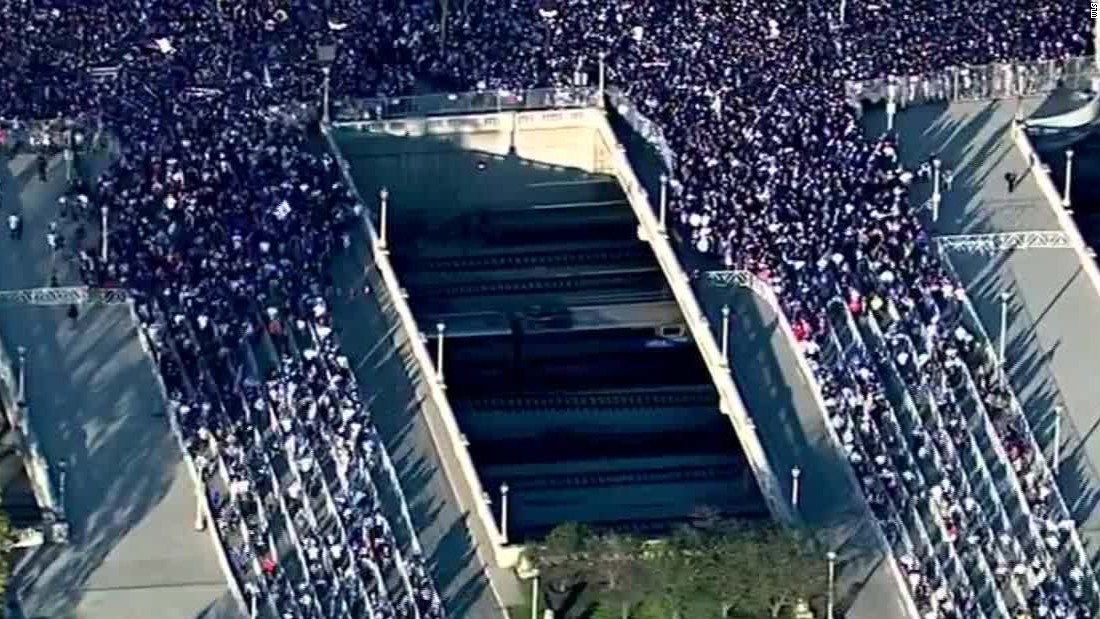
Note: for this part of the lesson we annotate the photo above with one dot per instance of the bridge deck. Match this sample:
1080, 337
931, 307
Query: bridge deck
96, 406
1053, 345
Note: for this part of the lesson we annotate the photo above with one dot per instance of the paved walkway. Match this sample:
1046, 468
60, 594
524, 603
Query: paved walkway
1054, 313
439, 502
792, 430
95, 405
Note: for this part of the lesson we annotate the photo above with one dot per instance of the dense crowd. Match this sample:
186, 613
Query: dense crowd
223, 217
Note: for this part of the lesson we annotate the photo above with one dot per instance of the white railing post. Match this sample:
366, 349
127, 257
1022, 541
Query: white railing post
439, 329
796, 476
1066, 202
662, 222
383, 216
504, 512
725, 335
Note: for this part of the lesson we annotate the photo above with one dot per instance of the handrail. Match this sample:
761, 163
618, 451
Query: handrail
196, 478
1045, 472
976, 82
892, 421
467, 473
765, 292
989, 485
696, 320
1053, 198
13, 399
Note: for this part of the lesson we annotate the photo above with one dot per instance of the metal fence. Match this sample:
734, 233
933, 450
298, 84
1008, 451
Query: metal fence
463, 103
992, 81
47, 135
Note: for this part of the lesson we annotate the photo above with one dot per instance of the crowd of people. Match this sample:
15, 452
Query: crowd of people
222, 217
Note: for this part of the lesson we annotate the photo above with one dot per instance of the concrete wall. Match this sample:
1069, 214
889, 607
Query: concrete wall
485, 161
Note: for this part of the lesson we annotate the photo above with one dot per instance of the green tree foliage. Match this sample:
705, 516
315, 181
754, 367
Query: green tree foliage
713, 569
7, 536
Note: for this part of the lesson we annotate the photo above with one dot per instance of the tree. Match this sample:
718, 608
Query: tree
785, 569
7, 537
617, 564
561, 558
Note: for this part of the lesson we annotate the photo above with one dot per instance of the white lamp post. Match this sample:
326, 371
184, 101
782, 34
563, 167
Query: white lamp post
439, 329
662, 224
1066, 202
103, 211
796, 476
831, 601
326, 70
535, 597
504, 511
1005, 296
383, 216
602, 78
21, 351
1056, 459
937, 196
891, 105
725, 335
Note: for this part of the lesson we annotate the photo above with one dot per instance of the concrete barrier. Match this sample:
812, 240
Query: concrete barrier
501, 554
196, 478
1053, 198
731, 403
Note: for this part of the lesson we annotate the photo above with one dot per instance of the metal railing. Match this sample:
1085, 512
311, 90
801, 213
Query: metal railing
974, 83
480, 102
46, 484
650, 131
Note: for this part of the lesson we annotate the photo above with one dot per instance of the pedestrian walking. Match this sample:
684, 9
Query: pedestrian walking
1010, 178
15, 226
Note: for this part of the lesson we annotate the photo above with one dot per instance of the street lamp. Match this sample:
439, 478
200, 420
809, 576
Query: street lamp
504, 511
831, 602
602, 79
1066, 202
891, 105
383, 216
21, 351
324, 95
1005, 297
662, 222
326, 55
937, 196
439, 329
725, 335
1056, 458
796, 476
103, 211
